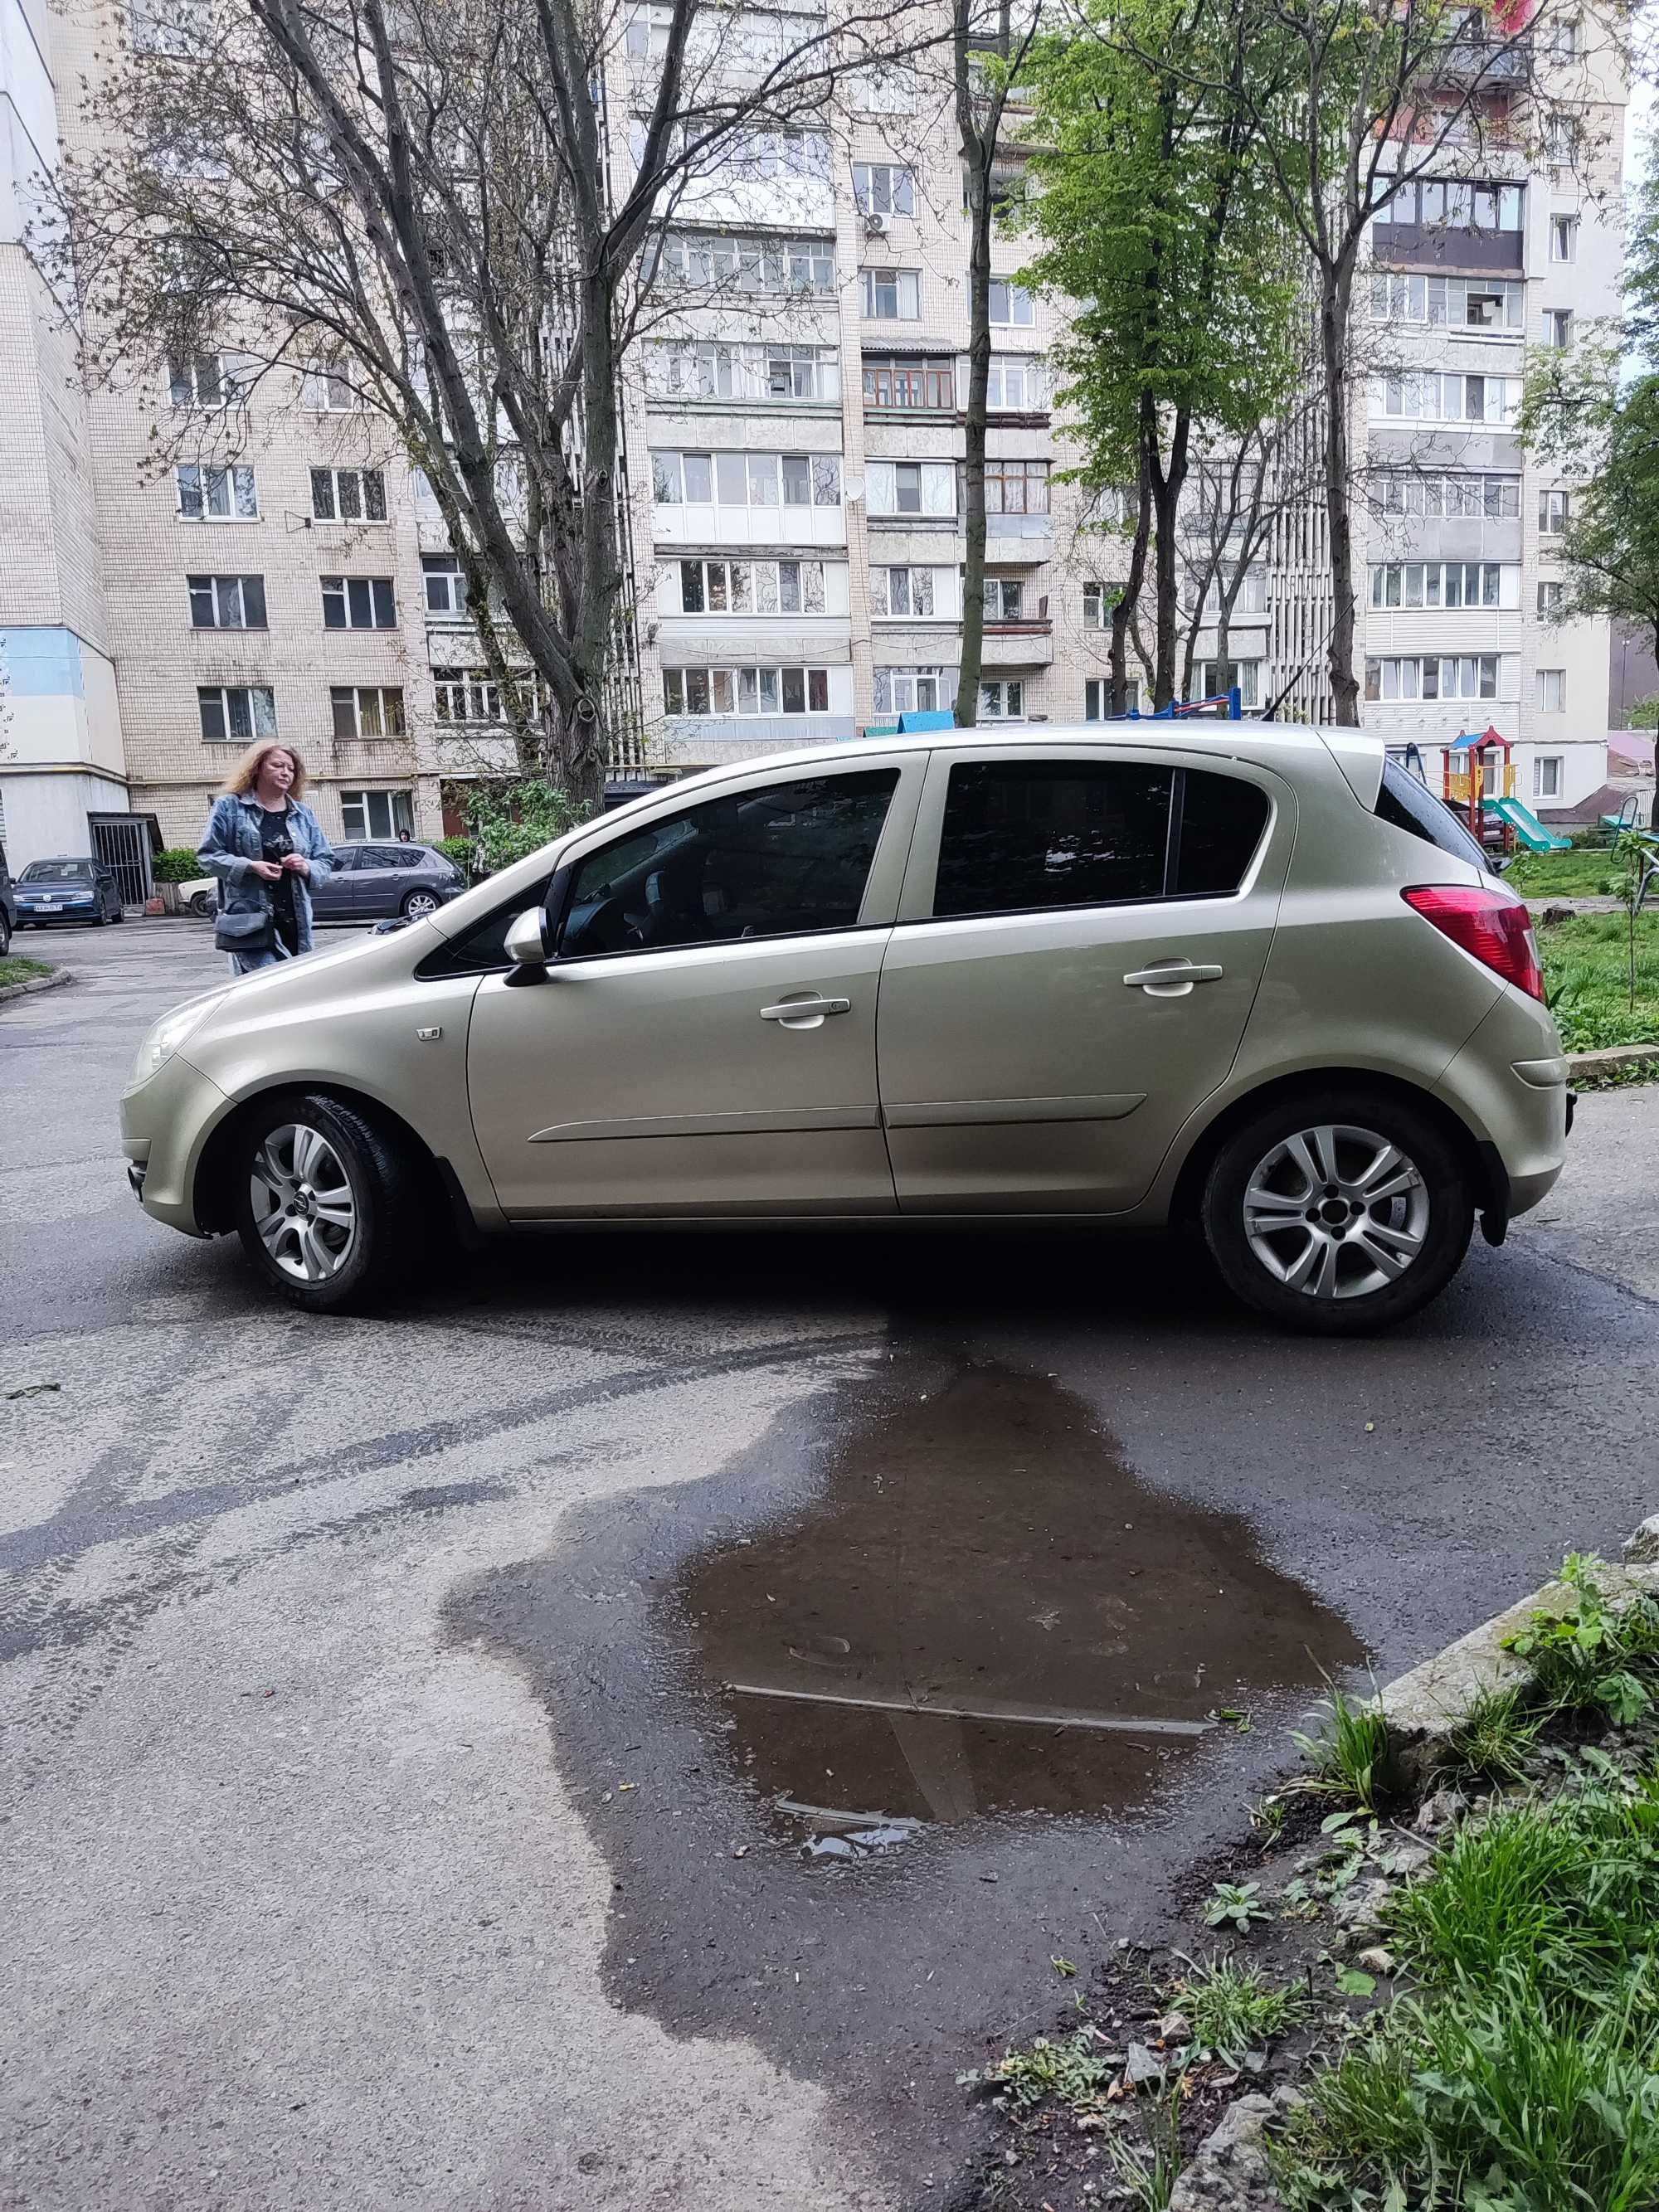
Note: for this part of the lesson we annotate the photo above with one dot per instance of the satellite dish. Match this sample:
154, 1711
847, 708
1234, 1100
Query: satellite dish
853, 489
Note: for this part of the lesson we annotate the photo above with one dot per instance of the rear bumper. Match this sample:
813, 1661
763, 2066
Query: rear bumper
1508, 1086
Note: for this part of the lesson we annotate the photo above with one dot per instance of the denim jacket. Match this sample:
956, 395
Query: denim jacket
233, 841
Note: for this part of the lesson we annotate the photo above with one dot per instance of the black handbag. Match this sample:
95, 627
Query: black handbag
253, 931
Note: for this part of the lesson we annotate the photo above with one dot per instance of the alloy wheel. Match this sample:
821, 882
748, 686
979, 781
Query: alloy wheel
1336, 1211
302, 1203
419, 904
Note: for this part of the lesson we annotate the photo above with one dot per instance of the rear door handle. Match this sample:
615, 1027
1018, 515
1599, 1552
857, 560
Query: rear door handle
804, 1013
1172, 979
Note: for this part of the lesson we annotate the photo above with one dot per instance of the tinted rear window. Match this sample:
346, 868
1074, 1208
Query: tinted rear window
1222, 819
1411, 806
1019, 835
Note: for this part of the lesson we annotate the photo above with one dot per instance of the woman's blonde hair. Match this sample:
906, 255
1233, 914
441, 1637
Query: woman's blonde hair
245, 773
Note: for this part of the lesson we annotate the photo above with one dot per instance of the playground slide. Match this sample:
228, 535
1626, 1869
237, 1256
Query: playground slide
1527, 826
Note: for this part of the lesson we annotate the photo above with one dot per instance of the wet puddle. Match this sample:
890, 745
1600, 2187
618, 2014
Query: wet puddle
986, 1612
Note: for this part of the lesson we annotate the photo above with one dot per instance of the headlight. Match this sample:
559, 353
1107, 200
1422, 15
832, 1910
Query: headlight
168, 1033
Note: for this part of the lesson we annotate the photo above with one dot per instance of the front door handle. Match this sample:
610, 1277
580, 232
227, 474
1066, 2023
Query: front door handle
804, 1013
1171, 979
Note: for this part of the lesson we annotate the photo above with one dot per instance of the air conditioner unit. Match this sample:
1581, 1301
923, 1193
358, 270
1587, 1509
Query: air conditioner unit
875, 226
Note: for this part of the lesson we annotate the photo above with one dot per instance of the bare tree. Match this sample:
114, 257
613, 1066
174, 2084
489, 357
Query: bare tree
425, 197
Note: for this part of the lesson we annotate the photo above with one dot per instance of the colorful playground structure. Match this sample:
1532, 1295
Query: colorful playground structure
1479, 783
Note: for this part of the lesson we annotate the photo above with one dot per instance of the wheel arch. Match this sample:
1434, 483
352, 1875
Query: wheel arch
1487, 1178
213, 1202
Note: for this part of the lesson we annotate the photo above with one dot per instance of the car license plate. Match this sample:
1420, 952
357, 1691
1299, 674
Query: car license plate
50, 906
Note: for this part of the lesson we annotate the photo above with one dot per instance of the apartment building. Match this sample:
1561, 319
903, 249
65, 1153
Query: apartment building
795, 438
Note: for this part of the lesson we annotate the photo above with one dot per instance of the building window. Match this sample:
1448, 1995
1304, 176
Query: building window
1551, 690
1011, 304
1445, 584
1097, 698
885, 88
1460, 494
1466, 676
226, 602
1098, 600
216, 495
1564, 238
1549, 598
746, 479
1003, 701
891, 295
902, 591
745, 691
359, 603
1016, 385
1016, 487
1430, 396
749, 265
466, 694
1557, 328
446, 584
211, 379
376, 814
1212, 678
1004, 596
883, 188
922, 488
1546, 775
348, 494
367, 710
1480, 303
1435, 203
1554, 513
1564, 35
327, 391
714, 368
751, 587
914, 691
919, 384
238, 713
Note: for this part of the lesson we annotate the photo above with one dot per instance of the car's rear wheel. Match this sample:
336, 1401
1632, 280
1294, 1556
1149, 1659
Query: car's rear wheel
418, 905
1337, 1213
202, 906
5, 935
327, 1204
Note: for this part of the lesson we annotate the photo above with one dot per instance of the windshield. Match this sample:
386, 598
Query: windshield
57, 872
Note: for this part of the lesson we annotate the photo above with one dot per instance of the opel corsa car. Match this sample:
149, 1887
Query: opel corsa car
1250, 980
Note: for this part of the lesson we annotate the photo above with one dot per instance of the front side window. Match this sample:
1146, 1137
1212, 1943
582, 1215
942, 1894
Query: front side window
359, 603
237, 713
226, 602
348, 494
784, 862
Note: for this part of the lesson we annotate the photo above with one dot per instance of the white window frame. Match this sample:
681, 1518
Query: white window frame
766, 585
226, 592
1564, 238
1097, 697
817, 476
359, 481
1465, 494
444, 570
203, 481
928, 689
918, 586
210, 382
883, 188
1443, 302
887, 487
997, 589
1395, 676
377, 594
465, 698
1548, 775
1558, 325
352, 698
260, 720
1017, 384
1002, 699
1208, 679
326, 391
1554, 513
743, 692
399, 814
1012, 307
1551, 690
1428, 587
1550, 591
906, 288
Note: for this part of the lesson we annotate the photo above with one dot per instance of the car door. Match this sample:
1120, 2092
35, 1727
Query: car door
333, 895
705, 1043
1081, 935
380, 880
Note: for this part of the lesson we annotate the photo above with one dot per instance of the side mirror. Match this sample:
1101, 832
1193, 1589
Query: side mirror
526, 945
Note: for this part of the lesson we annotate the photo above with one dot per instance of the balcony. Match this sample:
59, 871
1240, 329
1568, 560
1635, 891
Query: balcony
1442, 246
1019, 644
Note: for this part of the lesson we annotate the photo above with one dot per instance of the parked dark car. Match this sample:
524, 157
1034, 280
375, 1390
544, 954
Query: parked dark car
371, 881
73, 890
8, 906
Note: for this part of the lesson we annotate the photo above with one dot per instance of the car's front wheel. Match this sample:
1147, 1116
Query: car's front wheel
1337, 1213
327, 1202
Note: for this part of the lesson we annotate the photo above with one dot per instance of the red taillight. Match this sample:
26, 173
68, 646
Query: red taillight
1494, 925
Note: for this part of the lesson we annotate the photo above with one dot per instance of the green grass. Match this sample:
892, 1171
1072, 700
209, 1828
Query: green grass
1348, 1758
18, 970
1074, 2068
1232, 2008
1586, 975
1577, 874
1497, 1736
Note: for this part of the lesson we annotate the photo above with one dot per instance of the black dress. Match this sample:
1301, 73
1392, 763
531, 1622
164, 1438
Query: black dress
274, 841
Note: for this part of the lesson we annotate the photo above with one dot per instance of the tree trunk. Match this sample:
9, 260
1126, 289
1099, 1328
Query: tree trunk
1339, 511
1123, 612
978, 385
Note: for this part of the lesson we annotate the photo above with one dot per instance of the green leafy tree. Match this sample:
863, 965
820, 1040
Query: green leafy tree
1158, 213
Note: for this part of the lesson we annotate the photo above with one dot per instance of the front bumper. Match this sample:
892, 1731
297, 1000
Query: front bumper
164, 1125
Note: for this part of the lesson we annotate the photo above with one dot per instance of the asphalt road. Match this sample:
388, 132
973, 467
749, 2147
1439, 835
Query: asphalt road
379, 1828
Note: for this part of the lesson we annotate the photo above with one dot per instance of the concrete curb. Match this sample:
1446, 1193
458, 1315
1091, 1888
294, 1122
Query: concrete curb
1614, 1056
52, 982
1425, 1708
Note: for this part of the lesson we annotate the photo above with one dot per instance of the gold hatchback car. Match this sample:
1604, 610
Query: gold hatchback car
1249, 979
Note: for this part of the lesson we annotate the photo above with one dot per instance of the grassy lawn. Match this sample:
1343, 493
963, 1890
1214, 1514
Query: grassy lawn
1586, 972
18, 970
1560, 875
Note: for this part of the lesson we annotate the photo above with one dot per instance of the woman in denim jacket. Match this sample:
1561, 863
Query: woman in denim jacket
267, 848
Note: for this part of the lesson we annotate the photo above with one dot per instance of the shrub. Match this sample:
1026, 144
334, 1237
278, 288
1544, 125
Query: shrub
463, 853
177, 864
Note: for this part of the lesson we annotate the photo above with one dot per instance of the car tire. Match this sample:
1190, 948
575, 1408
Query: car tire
419, 904
202, 906
1337, 1213
5, 935
299, 1150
